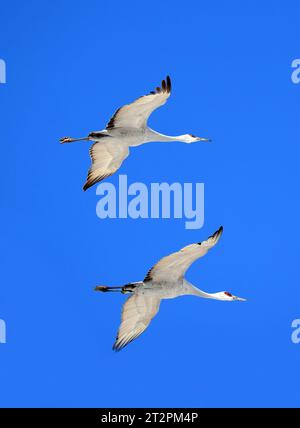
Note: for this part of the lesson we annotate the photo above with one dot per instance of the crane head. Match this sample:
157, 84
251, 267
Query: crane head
190, 138
226, 296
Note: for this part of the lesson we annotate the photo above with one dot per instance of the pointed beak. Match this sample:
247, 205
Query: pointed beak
206, 140
240, 299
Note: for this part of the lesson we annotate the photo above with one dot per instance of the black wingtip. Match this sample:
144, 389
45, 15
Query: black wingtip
169, 86
165, 87
217, 234
116, 347
91, 181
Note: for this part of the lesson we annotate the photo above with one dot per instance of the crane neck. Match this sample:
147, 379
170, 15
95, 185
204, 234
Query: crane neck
194, 291
157, 136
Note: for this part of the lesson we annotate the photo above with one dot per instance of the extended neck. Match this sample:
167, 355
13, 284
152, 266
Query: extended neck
156, 136
194, 291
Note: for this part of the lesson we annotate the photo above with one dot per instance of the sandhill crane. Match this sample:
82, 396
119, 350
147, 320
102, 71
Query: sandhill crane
165, 280
127, 128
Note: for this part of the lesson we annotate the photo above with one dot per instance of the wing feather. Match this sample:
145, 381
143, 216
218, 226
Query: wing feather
107, 156
137, 314
173, 267
135, 115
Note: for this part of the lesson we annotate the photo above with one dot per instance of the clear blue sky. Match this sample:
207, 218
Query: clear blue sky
69, 66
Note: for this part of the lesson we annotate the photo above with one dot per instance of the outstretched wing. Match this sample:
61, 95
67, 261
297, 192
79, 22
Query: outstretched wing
137, 313
135, 115
173, 267
107, 156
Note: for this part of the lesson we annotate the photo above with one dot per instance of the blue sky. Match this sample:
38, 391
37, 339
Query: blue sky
69, 66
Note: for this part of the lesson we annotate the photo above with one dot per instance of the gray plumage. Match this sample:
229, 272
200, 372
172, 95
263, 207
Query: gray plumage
165, 280
127, 128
